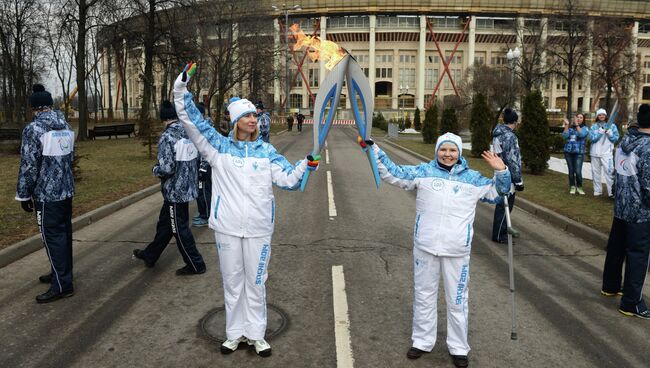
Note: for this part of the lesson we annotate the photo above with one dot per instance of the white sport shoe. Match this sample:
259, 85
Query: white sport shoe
230, 346
262, 348
580, 191
572, 190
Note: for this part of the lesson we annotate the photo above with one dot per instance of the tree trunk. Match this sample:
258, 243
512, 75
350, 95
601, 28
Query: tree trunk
109, 68
80, 61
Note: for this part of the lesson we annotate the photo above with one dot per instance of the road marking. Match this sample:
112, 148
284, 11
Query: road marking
330, 195
327, 156
344, 358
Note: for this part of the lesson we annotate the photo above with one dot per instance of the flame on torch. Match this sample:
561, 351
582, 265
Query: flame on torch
318, 49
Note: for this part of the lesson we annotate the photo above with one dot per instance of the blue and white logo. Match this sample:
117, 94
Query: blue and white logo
238, 162
437, 184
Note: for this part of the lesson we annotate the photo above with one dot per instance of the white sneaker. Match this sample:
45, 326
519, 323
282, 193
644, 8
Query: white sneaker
262, 348
229, 346
580, 191
572, 190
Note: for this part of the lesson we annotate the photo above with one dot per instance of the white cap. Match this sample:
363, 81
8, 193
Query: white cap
239, 107
601, 112
452, 138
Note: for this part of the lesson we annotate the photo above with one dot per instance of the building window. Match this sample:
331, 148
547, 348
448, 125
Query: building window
646, 93
479, 58
456, 74
295, 101
407, 77
384, 59
348, 22
361, 59
313, 77
383, 72
433, 59
398, 21
298, 82
456, 59
430, 78
407, 59
499, 59
365, 71
446, 22
561, 84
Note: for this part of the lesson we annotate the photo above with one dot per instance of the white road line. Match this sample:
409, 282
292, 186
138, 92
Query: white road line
327, 156
344, 358
330, 195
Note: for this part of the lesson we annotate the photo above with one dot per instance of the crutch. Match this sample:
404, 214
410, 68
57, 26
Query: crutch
511, 232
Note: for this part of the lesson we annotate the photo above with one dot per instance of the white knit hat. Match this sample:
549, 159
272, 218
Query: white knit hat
239, 107
601, 112
450, 137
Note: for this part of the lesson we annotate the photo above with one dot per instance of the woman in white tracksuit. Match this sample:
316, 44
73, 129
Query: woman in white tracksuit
243, 171
603, 135
447, 194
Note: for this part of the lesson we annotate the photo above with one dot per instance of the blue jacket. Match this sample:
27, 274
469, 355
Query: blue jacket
47, 151
574, 140
632, 188
264, 124
506, 146
177, 165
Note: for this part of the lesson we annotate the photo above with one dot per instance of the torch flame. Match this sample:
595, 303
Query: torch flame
318, 49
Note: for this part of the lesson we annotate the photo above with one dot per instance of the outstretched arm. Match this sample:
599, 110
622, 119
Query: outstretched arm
402, 176
285, 175
500, 183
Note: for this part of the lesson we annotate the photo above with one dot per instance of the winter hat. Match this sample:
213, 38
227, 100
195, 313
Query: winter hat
201, 107
601, 112
40, 98
450, 137
510, 116
260, 105
643, 116
167, 111
239, 107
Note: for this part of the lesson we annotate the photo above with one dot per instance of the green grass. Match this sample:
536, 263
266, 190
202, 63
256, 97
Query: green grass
550, 190
110, 170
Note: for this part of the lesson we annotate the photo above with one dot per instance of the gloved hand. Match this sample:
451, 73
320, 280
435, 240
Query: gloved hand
364, 143
184, 78
312, 162
519, 187
28, 205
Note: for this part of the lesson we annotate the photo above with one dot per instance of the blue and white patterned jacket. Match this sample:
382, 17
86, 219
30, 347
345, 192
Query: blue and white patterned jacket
632, 189
602, 136
575, 140
177, 165
446, 201
264, 124
506, 146
47, 151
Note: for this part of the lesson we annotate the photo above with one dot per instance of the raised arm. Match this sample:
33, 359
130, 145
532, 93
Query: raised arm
285, 175
500, 183
402, 176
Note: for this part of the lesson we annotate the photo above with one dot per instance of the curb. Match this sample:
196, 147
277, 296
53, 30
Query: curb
19, 250
580, 230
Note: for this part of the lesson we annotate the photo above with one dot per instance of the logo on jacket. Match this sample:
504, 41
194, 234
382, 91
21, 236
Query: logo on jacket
64, 143
437, 184
255, 166
238, 161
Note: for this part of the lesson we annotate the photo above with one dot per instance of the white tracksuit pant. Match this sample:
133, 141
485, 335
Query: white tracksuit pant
599, 164
455, 275
244, 270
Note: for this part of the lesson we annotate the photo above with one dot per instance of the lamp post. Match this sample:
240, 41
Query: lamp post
513, 58
286, 9
402, 91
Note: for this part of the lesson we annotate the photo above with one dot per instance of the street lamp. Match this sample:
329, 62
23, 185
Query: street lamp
513, 58
286, 9
402, 91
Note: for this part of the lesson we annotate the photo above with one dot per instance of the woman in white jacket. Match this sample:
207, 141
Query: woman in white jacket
447, 194
244, 169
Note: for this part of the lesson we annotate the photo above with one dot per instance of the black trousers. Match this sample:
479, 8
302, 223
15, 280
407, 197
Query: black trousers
499, 225
203, 201
628, 243
173, 221
55, 224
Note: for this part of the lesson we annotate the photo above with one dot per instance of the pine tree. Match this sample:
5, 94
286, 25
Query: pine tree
534, 134
407, 121
430, 126
449, 121
481, 125
417, 125
379, 121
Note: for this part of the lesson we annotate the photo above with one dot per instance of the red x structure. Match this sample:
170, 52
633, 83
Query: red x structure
446, 63
299, 64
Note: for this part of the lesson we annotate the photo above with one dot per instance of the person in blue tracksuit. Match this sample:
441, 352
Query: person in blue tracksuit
602, 135
205, 184
575, 135
629, 238
506, 146
447, 194
244, 168
177, 169
263, 122
46, 183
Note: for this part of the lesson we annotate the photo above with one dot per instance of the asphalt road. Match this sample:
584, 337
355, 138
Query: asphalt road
125, 315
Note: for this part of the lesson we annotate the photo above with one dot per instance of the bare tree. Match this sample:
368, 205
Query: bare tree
60, 39
531, 70
491, 82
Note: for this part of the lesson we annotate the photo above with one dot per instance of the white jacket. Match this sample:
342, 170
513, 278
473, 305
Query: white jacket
242, 174
446, 201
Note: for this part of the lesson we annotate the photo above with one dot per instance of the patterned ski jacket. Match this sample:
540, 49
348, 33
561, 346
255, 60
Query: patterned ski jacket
446, 201
243, 174
602, 136
47, 151
632, 189
575, 140
506, 146
264, 124
177, 165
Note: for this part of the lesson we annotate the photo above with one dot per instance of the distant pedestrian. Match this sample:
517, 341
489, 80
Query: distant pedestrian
289, 122
506, 146
629, 238
300, 118
603, 135
203, 201
46, 182
263, 122
575, 135
224, 127
177, 169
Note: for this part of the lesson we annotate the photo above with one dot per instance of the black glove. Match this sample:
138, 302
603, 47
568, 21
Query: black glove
519, 187
28, 205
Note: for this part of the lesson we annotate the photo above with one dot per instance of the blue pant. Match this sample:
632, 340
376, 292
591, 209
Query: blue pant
55, 223
499, 225
174, 222
574, 162
203, 201
628, 243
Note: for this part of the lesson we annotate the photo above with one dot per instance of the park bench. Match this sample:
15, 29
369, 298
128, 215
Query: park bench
111, 130
7, 134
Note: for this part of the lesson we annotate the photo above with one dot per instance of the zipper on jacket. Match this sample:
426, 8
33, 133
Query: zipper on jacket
216, 207
246, 205
417, 225
272, 211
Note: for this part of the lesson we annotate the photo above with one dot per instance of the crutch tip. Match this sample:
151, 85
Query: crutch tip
513, 336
